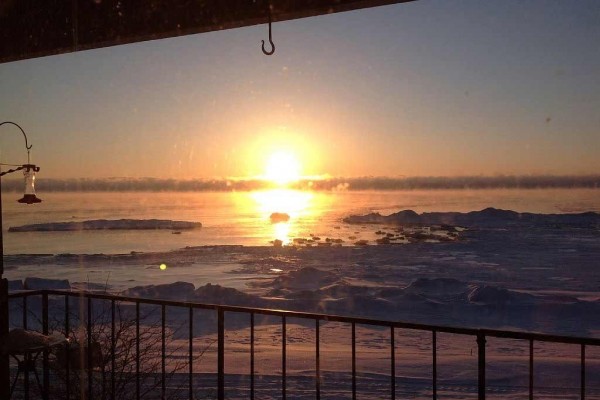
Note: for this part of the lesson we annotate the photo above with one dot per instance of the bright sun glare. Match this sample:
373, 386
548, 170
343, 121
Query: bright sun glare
282, 168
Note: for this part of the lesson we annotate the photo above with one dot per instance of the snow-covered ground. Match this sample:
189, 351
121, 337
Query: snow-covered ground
530, 273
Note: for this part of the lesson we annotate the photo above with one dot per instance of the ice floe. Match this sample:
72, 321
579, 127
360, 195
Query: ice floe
107, 224
487, 217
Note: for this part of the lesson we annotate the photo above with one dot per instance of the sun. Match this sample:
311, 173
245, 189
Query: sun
282, 168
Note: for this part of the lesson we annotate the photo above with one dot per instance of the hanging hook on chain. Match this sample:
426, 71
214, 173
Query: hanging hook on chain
268, 53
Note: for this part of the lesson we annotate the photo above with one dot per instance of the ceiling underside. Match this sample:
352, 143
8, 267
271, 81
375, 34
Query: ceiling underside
34, 28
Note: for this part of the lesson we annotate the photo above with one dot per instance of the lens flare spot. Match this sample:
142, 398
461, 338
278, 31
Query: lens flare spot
163, 267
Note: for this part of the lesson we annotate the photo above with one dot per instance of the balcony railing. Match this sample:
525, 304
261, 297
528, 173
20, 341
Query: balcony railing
83, 314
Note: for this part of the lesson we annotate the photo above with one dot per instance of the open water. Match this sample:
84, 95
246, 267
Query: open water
242, 218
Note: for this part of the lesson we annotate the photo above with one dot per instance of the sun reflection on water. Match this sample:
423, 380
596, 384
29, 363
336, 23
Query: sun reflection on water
282, 231
297, 204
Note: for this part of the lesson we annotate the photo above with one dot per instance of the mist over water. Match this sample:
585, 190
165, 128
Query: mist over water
313, 183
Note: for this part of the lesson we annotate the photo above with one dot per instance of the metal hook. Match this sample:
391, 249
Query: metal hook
268, 53
27, 145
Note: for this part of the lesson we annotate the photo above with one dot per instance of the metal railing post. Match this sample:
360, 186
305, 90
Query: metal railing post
137, 350
353, 361
530, 369
434, 364
113, 349
90, 365
26, 372
583, 372
220, 354
68, 349
45, 370
163, 383
481, 365
4, 360
318, 358
393, 363
25, 308
191, 353
252, 356
283, 358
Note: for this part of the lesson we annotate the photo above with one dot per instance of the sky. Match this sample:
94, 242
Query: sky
429, 88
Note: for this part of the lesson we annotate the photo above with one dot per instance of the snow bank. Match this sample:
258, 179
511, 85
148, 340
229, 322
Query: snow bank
492, 295
442, 301
302, 279
33, 283
107, 224
361, 305
14, 286
341, 290
170, 291
90, 286
217, 294
437, 286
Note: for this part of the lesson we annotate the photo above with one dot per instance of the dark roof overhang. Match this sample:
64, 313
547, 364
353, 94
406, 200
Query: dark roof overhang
34, 28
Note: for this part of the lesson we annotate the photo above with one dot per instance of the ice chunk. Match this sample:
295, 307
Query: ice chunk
279, 217
107, 224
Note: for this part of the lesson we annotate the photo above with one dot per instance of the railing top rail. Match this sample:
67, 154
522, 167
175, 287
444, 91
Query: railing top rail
505, 334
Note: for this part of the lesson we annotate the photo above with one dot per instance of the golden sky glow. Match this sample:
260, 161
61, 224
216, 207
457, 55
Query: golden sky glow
389, 91
280, 154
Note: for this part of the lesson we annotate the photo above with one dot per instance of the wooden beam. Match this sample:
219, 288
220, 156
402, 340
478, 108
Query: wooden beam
34, 28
